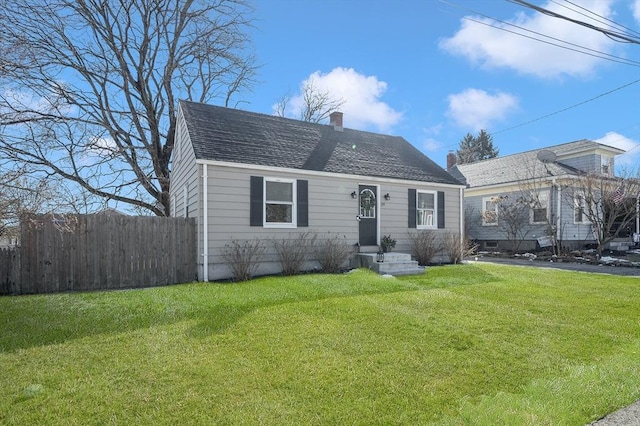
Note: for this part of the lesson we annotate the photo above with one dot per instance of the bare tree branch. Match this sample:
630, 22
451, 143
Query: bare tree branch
89, 89
315, 106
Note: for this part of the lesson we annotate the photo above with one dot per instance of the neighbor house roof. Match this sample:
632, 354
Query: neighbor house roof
237, 136
526, 165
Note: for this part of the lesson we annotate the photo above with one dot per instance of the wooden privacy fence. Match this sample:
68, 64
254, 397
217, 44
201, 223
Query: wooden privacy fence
96, 252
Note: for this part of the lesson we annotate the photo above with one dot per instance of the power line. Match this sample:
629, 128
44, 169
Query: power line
600, 54
601, 19
580, 49
567, 108
611, 34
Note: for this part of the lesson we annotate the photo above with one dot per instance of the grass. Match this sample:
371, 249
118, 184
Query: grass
474, 344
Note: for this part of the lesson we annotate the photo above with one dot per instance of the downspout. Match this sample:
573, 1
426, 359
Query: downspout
558, 213
638, 215
205, 225
462, 236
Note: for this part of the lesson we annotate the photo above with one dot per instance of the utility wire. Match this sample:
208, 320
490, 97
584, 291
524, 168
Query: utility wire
611, 34
579, 49
600, 18
598, 54
567, 108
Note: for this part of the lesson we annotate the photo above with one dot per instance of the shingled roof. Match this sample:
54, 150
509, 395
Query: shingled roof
524, 165
237, 136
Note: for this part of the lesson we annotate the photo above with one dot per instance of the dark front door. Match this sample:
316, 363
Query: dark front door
368, 213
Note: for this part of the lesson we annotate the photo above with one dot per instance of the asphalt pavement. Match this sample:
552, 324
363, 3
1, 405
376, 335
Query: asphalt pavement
570, 266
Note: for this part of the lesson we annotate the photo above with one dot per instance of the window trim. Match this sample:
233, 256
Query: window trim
484, 210
434, 221
293, 203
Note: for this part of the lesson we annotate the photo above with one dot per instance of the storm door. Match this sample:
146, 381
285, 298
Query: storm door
368, 214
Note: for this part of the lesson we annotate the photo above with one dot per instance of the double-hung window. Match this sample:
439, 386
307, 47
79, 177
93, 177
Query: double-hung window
539, 208
489, 211
579, 206
425, 209
279, 202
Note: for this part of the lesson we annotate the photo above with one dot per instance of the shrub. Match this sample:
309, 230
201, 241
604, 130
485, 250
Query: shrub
424, 246
243, 258
294, 252
332, 253
457, 248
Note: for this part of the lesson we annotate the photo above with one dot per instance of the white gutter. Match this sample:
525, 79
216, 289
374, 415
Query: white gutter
205, 225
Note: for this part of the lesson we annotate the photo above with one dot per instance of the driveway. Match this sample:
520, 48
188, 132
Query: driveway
582, 267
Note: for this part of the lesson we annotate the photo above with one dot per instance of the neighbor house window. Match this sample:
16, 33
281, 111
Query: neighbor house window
579, 206
426, 209
606, 164
539, 208
279, 202
489, 211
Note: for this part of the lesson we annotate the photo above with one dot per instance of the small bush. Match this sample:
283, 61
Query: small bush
387, 243
456, 247
294, 252
424, 246
243, 258
332, 253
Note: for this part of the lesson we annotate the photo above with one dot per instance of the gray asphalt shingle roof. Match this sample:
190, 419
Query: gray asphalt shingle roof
524, 165
237, 136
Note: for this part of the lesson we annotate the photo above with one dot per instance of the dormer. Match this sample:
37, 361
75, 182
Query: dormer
589, 156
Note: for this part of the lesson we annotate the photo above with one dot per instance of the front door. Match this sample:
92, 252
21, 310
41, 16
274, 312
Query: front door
368, 213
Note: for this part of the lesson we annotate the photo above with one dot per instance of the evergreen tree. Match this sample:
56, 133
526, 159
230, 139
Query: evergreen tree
467, 150
476, 148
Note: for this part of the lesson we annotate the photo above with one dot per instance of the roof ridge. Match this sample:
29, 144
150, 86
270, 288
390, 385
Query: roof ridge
294, 120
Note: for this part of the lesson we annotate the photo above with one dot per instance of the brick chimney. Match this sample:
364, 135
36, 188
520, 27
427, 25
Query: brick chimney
452, 160
335, 119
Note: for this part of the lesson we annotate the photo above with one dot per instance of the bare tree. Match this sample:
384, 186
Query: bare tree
89, 89
512, 214
20, 195
608, 203
315, 105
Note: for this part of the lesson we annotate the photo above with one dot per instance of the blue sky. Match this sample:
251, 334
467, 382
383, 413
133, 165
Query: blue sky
431, 71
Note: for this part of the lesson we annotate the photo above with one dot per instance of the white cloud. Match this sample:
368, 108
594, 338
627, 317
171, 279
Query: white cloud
631, 159
432, 145
494, 48
476, 109
102, 146
362, 107
635, 8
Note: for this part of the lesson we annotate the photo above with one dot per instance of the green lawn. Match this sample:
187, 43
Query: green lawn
469, 344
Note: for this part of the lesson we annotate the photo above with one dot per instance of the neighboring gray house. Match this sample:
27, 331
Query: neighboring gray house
545, 175
244, 175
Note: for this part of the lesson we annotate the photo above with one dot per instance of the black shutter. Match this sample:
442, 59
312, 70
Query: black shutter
256, 200
303, 203
440, 209
412, 208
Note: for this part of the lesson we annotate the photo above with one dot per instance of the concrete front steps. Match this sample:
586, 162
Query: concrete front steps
394, 263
